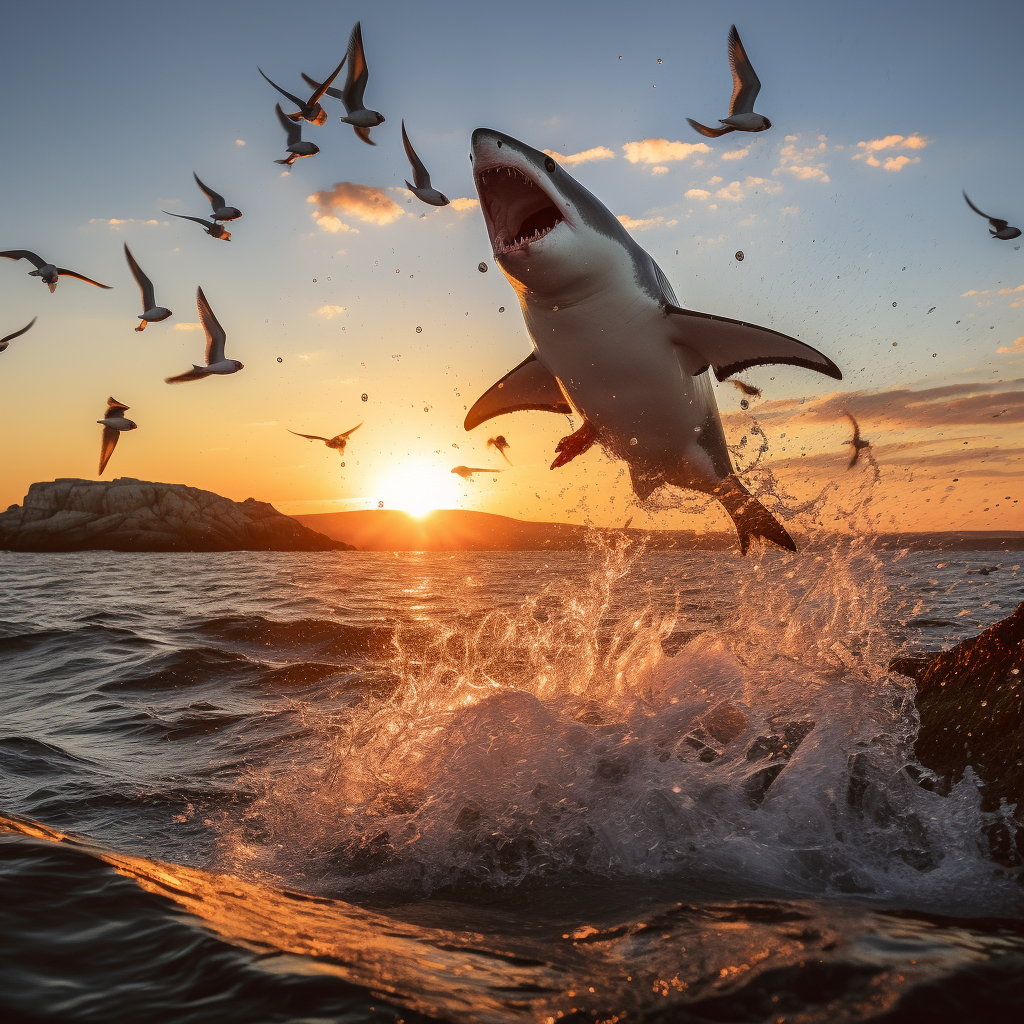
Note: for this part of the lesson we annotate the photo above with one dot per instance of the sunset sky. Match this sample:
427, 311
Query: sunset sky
849, 213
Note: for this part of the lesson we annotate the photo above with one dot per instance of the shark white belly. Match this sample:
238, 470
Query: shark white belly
610, 339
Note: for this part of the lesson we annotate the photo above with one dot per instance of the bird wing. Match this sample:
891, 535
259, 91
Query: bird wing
81, 277
185, 216
292, 129
144, 283
419, 172
352, 431
853, 461
295, 99
355, 81
745, 83
336, 93
16, 334
994, 221
23, 254
364, 134
325, 85
215, 336
192, 374
109, 443
309, 437
216, 200
711, 133
856, 427
969, 203
114, 407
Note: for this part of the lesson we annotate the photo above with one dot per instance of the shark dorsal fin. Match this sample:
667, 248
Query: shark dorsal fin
528, 386
732, 345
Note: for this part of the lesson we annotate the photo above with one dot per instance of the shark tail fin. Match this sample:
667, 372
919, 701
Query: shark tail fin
751, 518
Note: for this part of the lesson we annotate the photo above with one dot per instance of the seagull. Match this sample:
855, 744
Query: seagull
745, 87
47, 271
337, 443
212, 228
1000, 228
220, 211
114, 421
310, 111
858, 443
296, 148
216, 363
501, 445
361, 119
421, 190
4, 342
466, 472
151, 312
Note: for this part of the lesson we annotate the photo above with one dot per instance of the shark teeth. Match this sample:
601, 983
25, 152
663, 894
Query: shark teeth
518, 211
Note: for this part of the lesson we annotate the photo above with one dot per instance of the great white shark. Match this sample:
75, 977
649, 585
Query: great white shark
610, 339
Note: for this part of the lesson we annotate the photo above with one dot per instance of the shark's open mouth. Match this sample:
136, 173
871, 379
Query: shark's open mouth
518, 211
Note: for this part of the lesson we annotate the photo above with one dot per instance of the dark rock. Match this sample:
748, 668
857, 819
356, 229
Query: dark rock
971, 703
136, 515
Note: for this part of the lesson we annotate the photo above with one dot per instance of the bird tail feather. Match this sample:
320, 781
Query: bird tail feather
193, 374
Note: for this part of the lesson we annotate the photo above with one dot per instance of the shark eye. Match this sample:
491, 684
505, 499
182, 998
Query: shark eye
549, 165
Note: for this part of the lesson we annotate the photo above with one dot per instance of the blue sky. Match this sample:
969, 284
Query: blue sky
110, 107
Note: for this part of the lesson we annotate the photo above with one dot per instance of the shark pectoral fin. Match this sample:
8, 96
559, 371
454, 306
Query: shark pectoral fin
644, 482
732, 345
528, 386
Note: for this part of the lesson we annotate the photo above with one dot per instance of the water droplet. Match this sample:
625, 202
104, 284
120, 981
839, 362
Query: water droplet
632, 440
279, 359
397, 271
501, 309
365, 397
620, 56
380, 504
744, 404
426, 408
419, 330
894, 304
455, 446
659, 60
739, 255
934, 354
328, 279
314, 280
895, 343
482, 267
343, 465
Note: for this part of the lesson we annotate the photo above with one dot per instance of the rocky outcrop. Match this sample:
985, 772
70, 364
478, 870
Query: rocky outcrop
971, 703
137, 515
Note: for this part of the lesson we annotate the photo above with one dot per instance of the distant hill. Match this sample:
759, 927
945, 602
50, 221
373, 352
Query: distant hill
459, 530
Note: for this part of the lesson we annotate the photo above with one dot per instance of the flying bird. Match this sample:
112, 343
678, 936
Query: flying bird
859, 444
501, 445
421, 190
361, 119
221, 211
114, 422
1000, 228
337, 443
216, 363
466, 472
4, 342
310, 110
47, 271
212, 228
612, 344
745, 87
151, 312
296, 148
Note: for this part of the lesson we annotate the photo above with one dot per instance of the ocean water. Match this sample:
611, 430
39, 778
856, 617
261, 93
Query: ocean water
590, 786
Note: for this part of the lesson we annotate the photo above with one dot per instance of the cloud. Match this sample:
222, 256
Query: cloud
365, 202
696, 193
715, 180
585, 157
1010, 291
188, 327
331, 223
968, 404
329, 311
464, 204
735, 154
116, 222
804, 164
771, 187
974, 291
790, 211
1017, 346
659, 170
661, 151
239, 142
869, 148
640, 225
732, 192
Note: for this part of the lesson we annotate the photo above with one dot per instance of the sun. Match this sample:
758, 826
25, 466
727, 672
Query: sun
418, 488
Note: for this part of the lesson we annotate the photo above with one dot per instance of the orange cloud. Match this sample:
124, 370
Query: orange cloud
1017, 346
188, 327
804, 164
640, 225
892, 163
329, 311
365, 202
696, 193
735, 154
464, 204
584, 157
661, 151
